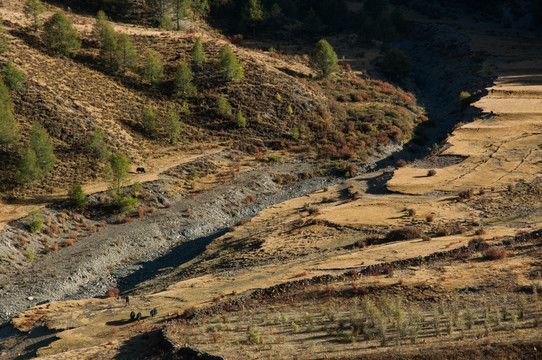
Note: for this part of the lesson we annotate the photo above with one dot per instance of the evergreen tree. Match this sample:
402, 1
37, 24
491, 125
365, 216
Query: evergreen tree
240, 119
109, 52
77, 197
99, 26
60, 36
38, 158
14, 77
201, 7
149, 121
97, 148
127, 53
4, 42
198, 54
158, 7
223, 107
323, 58
165, 22
229, 64
153, 70
33, 9
312, 22
182, 8
395, 65
9, 135
117, 172
253, 13
183, 81
174, 125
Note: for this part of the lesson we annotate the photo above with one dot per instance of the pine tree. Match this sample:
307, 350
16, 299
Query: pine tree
60, 36
253, 13
395, 65
198, 54
33, 9
109, 52
182, 8
229, 64
9, 135
183, 81
149, 121
223, 107
38, 158
99, 26
127, 53
174, 125
14, 77
77, 197
323, 58
153, 70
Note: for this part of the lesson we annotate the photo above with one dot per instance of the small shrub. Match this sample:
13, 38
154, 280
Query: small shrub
449, 229
112, 292
410, 212
34, 221
29, 254
465, 195
463, 255
431, 172
301, 274
400, 163
465, 99
480, 231
430, 218
68, 242
494, 253
405, 233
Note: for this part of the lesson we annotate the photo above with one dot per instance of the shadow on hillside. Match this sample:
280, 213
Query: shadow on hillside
182, 253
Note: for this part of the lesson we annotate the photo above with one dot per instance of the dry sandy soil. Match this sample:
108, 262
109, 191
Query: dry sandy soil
345, 229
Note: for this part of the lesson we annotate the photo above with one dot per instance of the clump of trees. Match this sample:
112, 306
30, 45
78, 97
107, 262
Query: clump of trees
116, 50
60, 36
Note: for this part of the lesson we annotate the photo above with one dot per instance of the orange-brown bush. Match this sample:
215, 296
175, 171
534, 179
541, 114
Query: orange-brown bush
494, 253
112, 292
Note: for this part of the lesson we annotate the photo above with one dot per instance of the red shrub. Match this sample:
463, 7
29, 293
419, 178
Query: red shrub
400, 163
68, 242
112, 293
301, 274
494, 253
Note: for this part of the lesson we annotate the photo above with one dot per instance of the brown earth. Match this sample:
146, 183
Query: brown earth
340, 237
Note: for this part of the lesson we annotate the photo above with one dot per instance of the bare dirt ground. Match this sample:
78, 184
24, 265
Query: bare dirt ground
336, 243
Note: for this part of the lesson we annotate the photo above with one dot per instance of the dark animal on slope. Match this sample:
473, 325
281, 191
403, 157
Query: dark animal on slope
140, 170
138, 316
132, 316
127, 300
154, 312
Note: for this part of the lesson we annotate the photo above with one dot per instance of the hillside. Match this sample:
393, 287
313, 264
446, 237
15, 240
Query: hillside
333, 224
